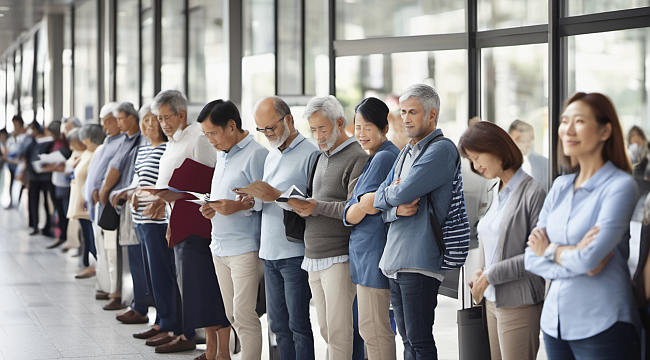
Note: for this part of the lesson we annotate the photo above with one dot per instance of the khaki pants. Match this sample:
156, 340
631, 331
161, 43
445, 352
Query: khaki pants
333, 294
103, 278
239, 279
114, 270
513, 331
374, 322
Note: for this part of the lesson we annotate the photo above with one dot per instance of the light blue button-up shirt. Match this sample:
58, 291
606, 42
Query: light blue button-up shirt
98, 168
579, 306
238, 233
281, 170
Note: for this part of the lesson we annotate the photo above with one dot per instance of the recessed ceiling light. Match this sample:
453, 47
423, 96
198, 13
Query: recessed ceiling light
5, 8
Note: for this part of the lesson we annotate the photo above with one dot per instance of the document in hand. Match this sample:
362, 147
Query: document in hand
55, 157
292, 193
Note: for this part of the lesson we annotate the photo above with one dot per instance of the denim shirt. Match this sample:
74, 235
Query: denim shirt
577, 305
410, 241
368, 237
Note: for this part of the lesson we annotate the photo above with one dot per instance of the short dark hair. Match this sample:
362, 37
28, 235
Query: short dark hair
486, 137
4, 132
18, 119
373, 110
220, 112
36, 126
55, 128
636, 129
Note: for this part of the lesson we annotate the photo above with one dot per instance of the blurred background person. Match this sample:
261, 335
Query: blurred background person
14, 140
535, 165
638, 149
60, 182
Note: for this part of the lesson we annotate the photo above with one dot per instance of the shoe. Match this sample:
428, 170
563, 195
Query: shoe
48, 233
160, 339
177, 345
56, 244
147, 334
77, 254
201, 357
115, 304
101, 295
34, 232
132, 317
86, 273
65, 249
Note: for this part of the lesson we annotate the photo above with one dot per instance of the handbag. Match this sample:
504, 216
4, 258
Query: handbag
473, 341
294, 224
109, 219
127, 234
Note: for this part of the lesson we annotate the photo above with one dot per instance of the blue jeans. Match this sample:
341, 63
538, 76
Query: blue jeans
414, 298
619, 342
162, 275
139, 269
287, 304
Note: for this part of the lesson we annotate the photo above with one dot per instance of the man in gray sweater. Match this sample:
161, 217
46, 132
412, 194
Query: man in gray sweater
334, 173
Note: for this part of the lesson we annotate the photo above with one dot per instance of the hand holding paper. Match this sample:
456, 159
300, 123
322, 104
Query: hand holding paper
259, 189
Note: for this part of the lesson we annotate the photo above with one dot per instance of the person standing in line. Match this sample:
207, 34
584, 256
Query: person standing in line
60, 181
422, 177
337, 167
581, 242
513, 296
368, 236
13, 144
235, 222
535, 165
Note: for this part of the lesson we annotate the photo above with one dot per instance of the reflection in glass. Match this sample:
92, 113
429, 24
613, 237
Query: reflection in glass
615, 64
85, 62
147, 52
172, 70
498, 14
208, 56
515, 87
582, 7
363, 19
127, 77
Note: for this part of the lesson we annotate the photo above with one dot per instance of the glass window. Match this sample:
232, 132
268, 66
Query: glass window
147, 62
290, 47
41, 103
582, 7
3, 95
11, 92
355, 20
316, 48
172, 71
497, 14
86, 72
26, 95
127, 77
386, 76
208, 56
615, 64
515, 87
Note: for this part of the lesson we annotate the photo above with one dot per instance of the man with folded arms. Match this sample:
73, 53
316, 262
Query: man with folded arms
337, 168
287, 284
235, 222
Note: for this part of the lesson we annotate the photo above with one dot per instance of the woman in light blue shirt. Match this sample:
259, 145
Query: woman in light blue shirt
513, 296
368, 236
581, 239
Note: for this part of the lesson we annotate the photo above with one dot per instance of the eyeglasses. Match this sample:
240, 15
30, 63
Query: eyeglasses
271, 129
166, 118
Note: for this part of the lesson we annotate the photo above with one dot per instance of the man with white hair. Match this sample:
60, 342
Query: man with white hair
411, 258
108, 284
335, 172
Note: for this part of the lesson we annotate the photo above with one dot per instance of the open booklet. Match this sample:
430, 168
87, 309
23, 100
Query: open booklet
292, 193
55, 157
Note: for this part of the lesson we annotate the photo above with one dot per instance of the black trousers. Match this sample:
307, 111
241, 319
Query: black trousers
60, 198
35, 189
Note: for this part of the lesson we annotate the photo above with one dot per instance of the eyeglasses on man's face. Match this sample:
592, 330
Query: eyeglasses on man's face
165, 118
270, 129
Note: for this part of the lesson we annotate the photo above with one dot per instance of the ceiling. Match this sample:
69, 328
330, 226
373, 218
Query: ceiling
18, 16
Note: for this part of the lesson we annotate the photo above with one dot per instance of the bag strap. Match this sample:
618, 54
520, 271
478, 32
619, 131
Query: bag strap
310, 182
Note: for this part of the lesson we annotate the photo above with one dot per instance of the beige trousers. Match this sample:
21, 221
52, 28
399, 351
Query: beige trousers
333, 293
374, 322
103, 277
73, 234
110, 248
513, 331
239, 278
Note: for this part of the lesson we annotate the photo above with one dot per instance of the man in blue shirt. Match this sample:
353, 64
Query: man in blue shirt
411, 259
235, 222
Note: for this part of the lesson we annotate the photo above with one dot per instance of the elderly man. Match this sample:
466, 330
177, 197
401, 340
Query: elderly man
415, 276
108, 285
287, 284
534, 164
337, 168
235, 222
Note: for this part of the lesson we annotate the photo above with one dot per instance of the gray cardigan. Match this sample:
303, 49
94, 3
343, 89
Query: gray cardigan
513, 285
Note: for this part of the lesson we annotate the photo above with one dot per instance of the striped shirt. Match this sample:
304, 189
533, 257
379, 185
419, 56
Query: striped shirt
146, 170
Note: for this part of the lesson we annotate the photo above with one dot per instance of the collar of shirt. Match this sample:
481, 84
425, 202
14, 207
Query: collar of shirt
347, 142
597, 179
516, 179
300, 138
383, 146
418, 146
240, 145
113, 138
180, 132
132, 136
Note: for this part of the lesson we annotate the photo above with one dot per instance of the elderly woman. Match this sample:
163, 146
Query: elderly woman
92, 136
513, 296
581, 239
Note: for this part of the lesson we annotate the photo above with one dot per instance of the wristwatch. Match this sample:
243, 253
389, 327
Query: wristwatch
549, 253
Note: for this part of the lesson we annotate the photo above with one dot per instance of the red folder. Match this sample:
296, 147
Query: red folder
186, 219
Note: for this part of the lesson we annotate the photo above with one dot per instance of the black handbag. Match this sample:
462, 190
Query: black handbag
473, 341
109, 219
294, 224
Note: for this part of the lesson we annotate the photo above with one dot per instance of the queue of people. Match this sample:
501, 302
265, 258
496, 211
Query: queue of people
208, 216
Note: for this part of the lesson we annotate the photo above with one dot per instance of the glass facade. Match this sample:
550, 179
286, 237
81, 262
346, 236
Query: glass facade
127, 70
172, 69
499, 14
86, 62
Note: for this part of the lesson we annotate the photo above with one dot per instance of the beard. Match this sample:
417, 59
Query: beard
285, 135
332, 140
420, 130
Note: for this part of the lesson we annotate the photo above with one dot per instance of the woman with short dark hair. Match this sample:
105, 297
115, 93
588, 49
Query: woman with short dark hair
581, 239
513, 296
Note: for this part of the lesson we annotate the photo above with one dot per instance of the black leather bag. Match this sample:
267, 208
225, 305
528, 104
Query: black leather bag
109, 219
473, 341
294, 224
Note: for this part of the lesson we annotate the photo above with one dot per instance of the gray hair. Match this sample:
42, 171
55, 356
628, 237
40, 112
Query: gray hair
93, 132
426, 95
72, 120
329, 106
144, 110
128, 109
173, 98
107, 109
281, 107
74, 135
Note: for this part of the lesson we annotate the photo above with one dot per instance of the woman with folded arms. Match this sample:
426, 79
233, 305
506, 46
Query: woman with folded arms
581, 239
513, 296
368, 236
